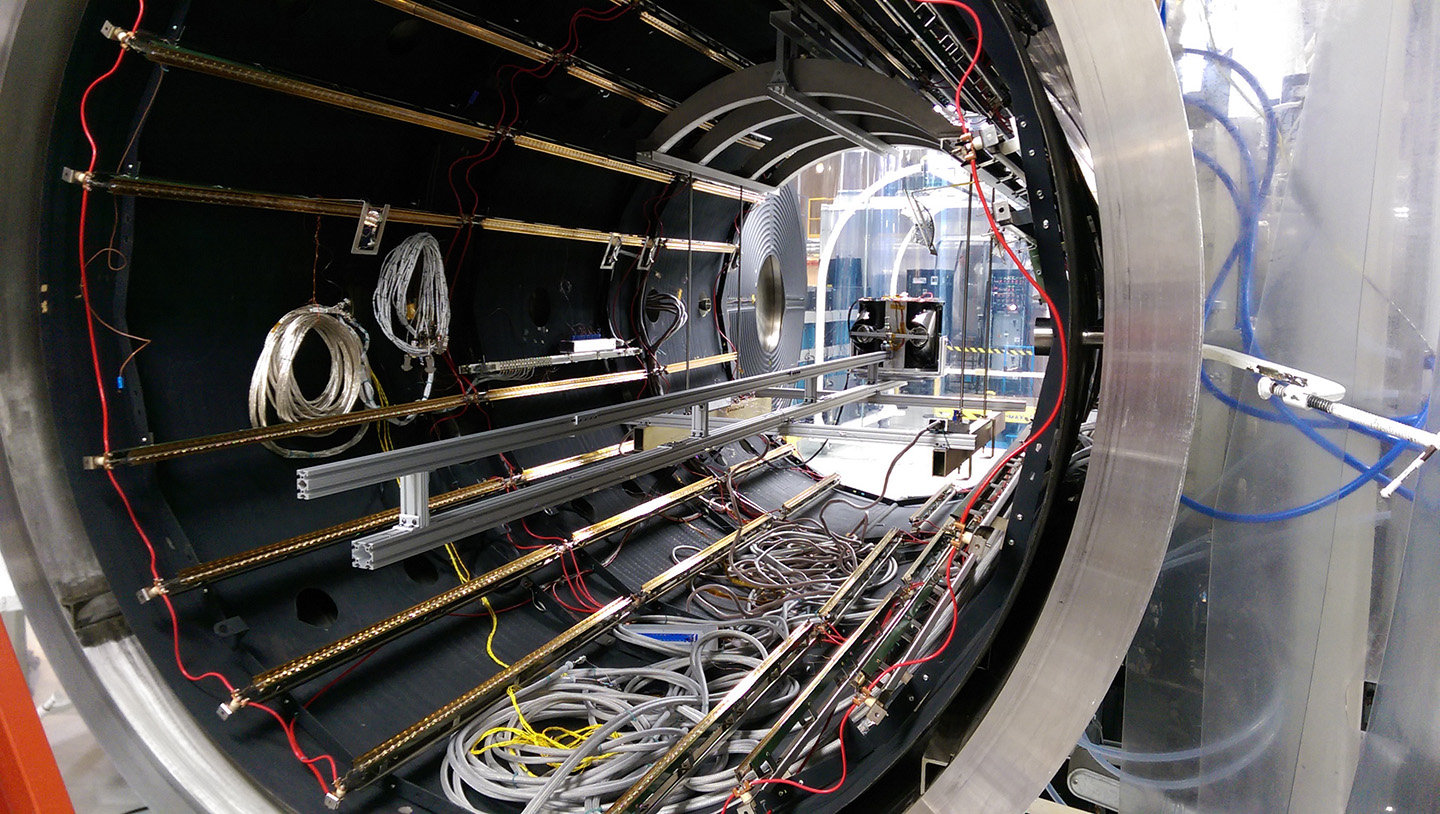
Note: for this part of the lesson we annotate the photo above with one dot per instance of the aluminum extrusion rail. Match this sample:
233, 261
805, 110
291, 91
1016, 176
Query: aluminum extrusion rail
299, 670
387, 547
197, 576
958, 441
414, 741
340, 476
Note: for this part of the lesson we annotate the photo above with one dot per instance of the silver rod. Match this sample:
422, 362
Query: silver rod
965, 317
690, 290
390, 547
903, 399
989, 324
341, 476
802, 429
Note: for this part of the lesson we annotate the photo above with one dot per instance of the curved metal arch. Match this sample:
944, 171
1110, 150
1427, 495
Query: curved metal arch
783, 167
758, 117
803, 134
813, 77
1154, 273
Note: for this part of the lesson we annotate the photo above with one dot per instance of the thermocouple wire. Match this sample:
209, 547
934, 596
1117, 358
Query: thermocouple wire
273, 384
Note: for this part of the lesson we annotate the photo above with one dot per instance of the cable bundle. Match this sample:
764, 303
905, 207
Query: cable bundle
789, 569
576, 740
273, 384
425, 321
663, 304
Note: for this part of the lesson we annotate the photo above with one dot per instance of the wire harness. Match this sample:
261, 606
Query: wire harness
424, 320
577, 739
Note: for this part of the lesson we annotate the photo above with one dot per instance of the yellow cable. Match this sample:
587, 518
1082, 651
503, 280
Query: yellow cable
552, 737
460, 570
490, 647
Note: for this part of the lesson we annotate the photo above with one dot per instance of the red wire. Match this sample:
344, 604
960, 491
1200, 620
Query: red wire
555, 592
105, 428
352, 668
584, 587
526, 525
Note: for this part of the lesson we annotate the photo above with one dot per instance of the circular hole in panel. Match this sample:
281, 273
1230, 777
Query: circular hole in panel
314, 607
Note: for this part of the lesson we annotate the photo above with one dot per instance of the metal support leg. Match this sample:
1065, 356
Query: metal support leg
415, 500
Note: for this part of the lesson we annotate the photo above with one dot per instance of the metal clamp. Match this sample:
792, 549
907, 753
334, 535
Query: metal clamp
370, 229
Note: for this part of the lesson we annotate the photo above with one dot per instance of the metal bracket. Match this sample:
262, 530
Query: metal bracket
787, 96
648, 253
415, 500
612, 253
699, 420
669, 163
370, 229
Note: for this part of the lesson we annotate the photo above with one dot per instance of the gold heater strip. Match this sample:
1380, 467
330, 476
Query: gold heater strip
394, 752
299, 670
155, 453
192, 193
225, 567
165, 53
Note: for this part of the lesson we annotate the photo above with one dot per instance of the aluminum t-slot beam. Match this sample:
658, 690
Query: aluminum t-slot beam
800, 429
970, 401
679, 166
342, 476
394, 545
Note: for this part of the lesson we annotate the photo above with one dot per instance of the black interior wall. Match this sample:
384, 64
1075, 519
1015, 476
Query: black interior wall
206, 283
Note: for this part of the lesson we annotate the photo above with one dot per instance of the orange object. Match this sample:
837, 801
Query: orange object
30, 781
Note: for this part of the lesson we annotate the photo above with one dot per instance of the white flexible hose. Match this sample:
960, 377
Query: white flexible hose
273, 384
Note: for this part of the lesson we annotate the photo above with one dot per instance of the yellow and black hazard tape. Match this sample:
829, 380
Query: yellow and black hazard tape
980, 351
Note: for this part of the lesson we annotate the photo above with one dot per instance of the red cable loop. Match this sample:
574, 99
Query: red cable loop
979, 488
105, 430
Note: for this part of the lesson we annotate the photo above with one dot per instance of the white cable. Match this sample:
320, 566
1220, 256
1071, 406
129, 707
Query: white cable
273, 384
425, 322
639, 713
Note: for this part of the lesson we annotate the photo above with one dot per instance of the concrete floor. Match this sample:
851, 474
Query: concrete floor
95, 786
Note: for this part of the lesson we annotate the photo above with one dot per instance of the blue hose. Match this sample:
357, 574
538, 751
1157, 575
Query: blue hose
1300, 511
1272, 121
1249, 226
1243, 255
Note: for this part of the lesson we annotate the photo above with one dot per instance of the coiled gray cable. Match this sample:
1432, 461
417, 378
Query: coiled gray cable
273, 384
638, 713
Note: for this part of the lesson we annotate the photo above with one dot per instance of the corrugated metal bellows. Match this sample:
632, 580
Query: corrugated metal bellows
767, 312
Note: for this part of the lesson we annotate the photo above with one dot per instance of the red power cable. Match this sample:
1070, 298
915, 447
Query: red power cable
979, 488
90, 318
